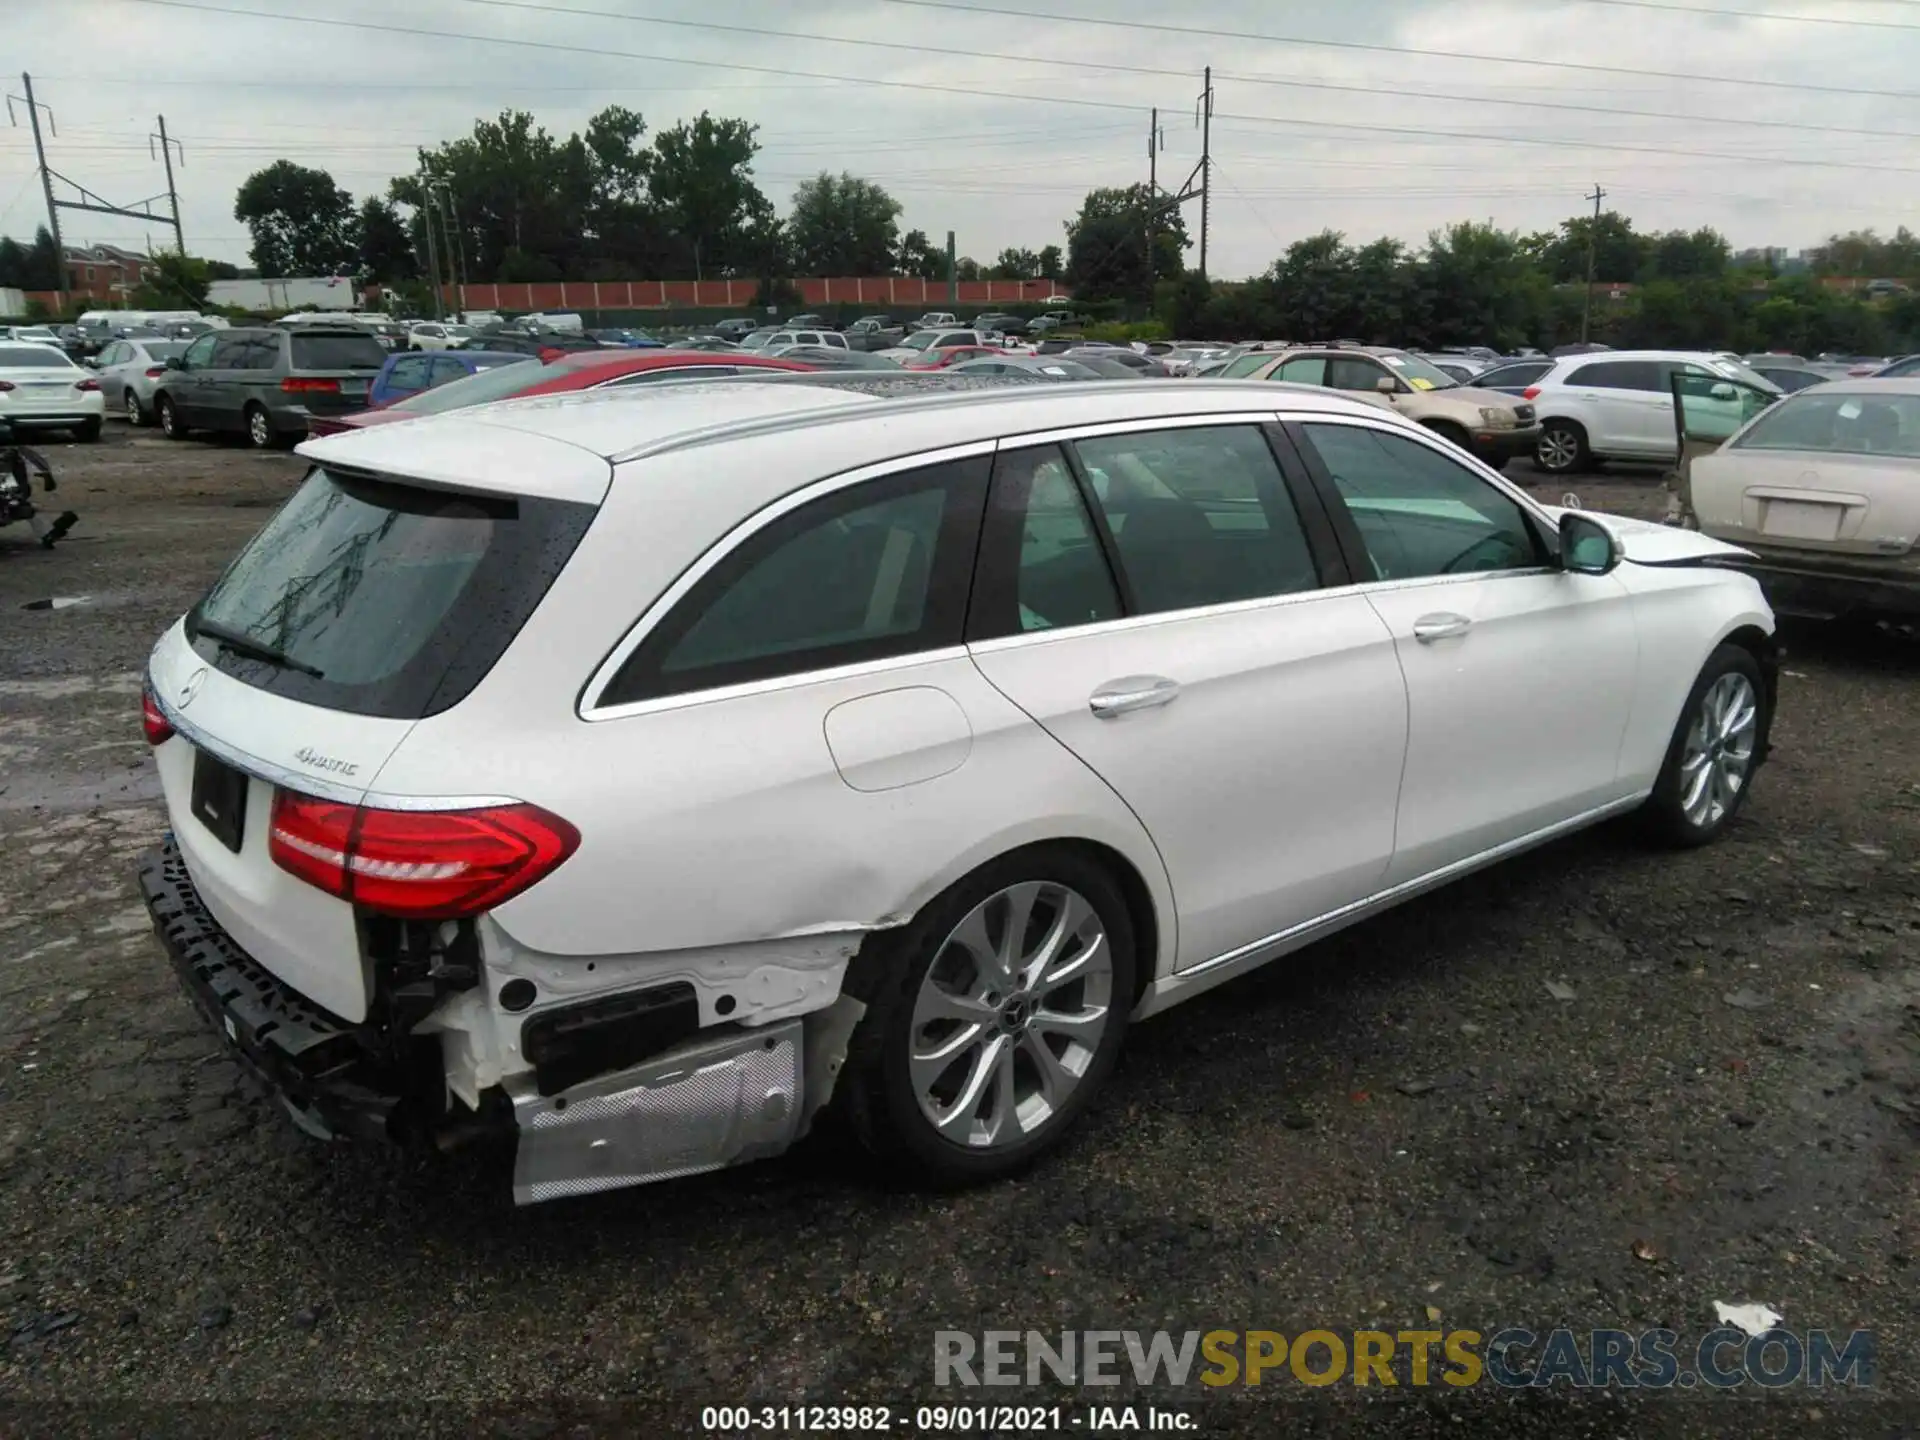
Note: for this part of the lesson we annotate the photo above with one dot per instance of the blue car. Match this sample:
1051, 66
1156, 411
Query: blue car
410, 372
626, 339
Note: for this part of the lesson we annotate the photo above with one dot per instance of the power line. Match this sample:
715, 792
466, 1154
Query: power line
1757, 15
1160, 72
1555, 142
1375, 48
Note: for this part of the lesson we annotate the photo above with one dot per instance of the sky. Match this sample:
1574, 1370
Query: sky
995, 125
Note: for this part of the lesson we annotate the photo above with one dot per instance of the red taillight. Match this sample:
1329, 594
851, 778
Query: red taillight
88, 384
1532, 392
152, 721
309, 385
417, 864
154, 372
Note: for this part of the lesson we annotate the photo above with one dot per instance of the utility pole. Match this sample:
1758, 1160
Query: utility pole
46, 184
1206, 163
1593, 243
173, 195
1153, 186
433, 250
451, 227
953, 273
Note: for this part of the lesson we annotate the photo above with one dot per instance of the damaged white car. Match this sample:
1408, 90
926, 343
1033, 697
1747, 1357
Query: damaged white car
633, 776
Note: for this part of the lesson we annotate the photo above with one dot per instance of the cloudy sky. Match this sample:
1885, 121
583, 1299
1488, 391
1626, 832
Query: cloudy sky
1402, 117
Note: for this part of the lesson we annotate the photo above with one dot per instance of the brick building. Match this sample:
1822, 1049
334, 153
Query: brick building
105, 272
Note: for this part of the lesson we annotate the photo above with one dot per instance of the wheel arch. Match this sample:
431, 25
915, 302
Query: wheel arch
1749, 635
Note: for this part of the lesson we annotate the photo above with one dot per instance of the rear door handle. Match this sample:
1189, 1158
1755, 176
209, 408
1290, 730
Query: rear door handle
1135, 692
1439, 626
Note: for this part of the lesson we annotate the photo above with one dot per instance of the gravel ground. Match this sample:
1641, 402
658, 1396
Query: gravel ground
1399, 1128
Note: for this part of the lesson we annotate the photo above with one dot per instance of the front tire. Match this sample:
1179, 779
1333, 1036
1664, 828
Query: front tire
1562, 449
1716, 747
1452, 434
993, 1019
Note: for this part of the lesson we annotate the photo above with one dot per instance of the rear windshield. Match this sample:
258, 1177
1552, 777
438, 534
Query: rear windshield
338, 352
1826, 422
33, 357
383, 598
502, 378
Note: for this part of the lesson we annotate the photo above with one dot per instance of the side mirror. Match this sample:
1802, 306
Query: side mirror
92, 362
1387, 385
1722, 391
174, 362
1586, 546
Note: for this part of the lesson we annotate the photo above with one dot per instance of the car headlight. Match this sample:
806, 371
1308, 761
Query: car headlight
1495, 417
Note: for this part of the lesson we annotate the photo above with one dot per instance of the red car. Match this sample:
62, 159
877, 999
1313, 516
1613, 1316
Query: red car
580, 370
954, 355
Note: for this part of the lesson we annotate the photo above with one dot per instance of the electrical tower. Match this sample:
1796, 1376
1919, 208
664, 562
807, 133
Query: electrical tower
1197, 181
89, 201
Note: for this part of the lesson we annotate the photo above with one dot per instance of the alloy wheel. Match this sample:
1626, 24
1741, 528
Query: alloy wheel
134, 415
1718, 757
1010, 1015
259, 429
1559, 449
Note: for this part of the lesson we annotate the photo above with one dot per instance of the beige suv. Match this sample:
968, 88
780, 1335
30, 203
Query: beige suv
1487, 424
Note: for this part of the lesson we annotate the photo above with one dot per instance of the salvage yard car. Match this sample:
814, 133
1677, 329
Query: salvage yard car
632, 776
41, 389
267, 383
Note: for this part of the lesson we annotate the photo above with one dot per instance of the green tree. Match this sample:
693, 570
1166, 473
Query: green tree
1050, 264
516, 189
174, 281
1015, 264
966, 268
300, 221
1314, 288
1689, 255
1476, 285
920, 257
386, 250
1619, 254
701, 179
626, 237
843, 225
1107, 244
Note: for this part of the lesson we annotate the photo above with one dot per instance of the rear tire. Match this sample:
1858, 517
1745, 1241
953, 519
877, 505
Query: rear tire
130, 403
946, 1075
260, 432
169, 418
1562, 449
1714, 752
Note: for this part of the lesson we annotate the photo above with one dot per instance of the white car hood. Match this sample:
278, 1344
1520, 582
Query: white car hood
1644, 542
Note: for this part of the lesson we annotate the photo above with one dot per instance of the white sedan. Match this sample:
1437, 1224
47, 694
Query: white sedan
41, 389
634, 774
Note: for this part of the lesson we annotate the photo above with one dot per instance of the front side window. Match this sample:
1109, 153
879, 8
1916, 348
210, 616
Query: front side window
199, 352
230, 353
869, 572
1041, 565
409, 375
1349, 372
1198, 516
1418, 512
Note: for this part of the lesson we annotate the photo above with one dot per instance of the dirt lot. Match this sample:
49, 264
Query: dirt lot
1399, 1129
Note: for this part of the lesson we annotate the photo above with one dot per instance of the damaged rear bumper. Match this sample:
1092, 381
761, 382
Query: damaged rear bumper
721, 1096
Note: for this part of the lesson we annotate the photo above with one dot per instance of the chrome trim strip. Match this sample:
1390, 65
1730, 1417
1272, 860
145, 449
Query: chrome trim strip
589, 707
286, 778
777, 683
1406, 890
1161, 617
1094, 429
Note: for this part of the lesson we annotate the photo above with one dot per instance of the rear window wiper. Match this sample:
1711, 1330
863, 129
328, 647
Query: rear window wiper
245, 644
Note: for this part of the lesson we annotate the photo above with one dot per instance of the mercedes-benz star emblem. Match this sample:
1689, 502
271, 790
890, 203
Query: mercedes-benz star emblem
190, 688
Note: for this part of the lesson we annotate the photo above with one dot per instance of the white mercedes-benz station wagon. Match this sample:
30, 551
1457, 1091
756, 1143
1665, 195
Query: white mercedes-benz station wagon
636, 777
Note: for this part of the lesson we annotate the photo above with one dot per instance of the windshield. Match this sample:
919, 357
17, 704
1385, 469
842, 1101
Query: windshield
1824, 422
1419, 373
164, 349
504, 377
1740, 370
382, 598
920, 340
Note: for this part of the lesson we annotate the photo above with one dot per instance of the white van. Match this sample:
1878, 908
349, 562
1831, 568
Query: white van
572, 324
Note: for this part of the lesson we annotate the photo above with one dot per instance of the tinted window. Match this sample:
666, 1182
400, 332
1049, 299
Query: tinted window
409, 374
115, 353
1349, 372
1041, 565
229, 352
1839, 423
1520, 375
872, 571
262, 352
1791, 380
338, 352
200, 351
1302, 370
1198, 517
1620, 375
159, 351
384, 599
33, 357
503, 381
1418, 512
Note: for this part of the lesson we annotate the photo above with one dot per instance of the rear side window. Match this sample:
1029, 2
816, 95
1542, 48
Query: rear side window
409, 374
338, 352
1041, 563
1620, 375
381, 598
873, 571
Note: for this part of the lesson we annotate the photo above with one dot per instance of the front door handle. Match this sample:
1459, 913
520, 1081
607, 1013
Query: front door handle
1439, 626
1135, 692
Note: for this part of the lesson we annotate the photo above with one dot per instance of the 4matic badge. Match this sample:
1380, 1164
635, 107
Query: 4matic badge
308, 756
